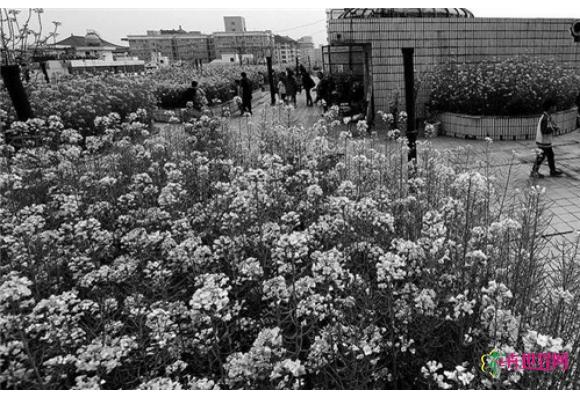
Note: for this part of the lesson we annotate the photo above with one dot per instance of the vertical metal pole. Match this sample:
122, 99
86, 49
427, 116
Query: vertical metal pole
410, 100
271, 80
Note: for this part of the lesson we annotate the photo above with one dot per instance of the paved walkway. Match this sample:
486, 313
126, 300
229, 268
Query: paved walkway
301, 114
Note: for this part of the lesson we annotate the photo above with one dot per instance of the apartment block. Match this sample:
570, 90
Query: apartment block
176, 45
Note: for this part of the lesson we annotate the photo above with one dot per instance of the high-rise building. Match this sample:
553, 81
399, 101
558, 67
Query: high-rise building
234, 24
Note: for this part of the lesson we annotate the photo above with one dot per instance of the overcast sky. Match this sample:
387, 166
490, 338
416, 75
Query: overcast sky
115, 23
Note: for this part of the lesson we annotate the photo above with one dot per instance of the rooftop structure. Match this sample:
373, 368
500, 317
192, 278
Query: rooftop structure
367, 44
405, 13
234, 24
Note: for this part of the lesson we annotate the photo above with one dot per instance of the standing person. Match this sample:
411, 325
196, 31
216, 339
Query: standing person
307, 84
282, 87
246, 93
298, 77
324, 91
546, 128
291, 87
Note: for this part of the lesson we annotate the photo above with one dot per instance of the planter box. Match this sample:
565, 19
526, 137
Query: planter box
502, 128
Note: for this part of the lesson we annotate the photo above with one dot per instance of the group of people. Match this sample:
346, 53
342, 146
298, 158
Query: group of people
291, 83
287, 85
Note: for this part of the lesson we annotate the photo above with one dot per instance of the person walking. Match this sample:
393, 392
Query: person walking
307, 84
546, 128
291, 87
246, 93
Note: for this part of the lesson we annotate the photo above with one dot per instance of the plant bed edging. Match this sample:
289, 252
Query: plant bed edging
502, 128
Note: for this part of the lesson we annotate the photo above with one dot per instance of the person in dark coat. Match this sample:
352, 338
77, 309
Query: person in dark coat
246, 93
291, 86
307, 84
324, 91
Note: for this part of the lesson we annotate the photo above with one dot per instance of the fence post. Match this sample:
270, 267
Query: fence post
271, 80
410, 100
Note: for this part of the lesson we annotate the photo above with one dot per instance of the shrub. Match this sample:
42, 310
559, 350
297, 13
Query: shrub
79, 99
511, 87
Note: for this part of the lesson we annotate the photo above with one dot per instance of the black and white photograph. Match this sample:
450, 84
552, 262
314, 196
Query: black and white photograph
289, 196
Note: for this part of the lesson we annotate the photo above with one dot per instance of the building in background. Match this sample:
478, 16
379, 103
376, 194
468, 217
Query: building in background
89, 53
285, 50
258, 44
306, 51
367, 44
317, 60
195, 47
90, 46
235, 24
177, 45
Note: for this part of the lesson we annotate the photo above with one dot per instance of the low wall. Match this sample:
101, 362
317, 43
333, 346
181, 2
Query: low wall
502, 128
